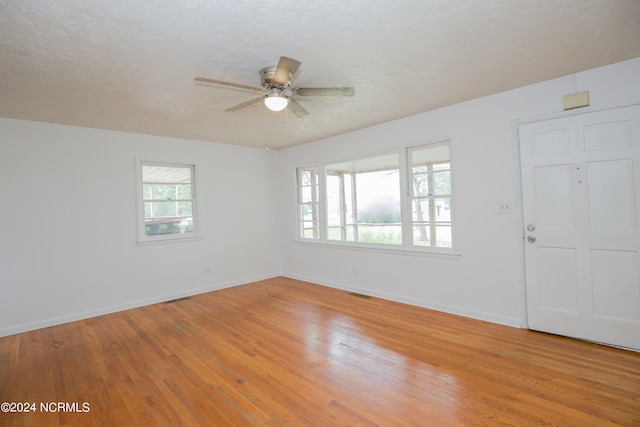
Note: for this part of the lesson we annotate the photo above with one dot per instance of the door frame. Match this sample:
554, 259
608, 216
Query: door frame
518, 202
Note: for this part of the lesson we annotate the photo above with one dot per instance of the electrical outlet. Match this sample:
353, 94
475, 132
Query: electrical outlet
505, 207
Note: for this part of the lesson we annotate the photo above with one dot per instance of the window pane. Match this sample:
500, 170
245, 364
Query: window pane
351, 233
163, 192
432, 153
417, 169
334, 233
378, 197
305, 177
309, 230
384, 234
159, 227
184, 191
443, 236
421, 212
442, 210
441, 183
307, 195
162, 187
421, 185
334, 200
163, 209
185, 208
158, 174
307, 212
422, 234
348, 200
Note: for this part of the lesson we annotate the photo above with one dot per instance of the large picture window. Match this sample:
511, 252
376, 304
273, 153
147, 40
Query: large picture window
363, 200
400, 199
167, 200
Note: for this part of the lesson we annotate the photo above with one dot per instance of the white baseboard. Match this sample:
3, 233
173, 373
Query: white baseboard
12, 330
473, 314
514, 322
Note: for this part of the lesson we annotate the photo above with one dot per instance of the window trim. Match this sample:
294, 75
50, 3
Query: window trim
141, 237
407, 245
427, 251
431, 198
315, 192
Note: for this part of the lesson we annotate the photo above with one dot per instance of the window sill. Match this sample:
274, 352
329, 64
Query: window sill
166, 240
444, 253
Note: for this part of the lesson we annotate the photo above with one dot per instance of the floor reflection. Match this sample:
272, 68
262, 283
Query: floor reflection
375, 370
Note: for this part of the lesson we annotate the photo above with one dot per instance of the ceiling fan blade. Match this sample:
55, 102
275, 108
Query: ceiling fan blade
325, 91
297, 109
229, 84
295, 76
286, 69
245, 104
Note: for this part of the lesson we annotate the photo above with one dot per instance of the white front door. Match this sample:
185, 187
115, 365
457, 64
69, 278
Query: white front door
581, 208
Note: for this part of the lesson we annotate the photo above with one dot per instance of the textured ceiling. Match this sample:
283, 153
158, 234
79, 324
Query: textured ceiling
129, 64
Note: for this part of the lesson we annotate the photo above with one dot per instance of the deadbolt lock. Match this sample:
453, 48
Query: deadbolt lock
531, 227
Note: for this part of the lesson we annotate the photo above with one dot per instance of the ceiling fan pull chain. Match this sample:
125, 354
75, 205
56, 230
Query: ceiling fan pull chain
286, 124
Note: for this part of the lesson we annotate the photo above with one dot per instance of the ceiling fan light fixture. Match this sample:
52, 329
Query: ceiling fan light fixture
274, 100
277, 90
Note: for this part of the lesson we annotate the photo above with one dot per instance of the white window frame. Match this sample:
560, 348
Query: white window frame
142, 237
313, 204
432, 224
389, 161
406, 190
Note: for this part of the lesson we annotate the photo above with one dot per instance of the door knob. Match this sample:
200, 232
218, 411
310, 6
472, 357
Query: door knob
531, 239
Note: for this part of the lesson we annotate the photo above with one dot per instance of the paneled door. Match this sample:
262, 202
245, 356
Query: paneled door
581, 208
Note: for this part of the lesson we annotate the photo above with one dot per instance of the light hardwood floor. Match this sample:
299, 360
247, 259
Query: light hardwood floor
285, 352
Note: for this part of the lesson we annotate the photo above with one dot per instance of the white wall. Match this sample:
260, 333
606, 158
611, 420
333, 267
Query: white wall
486, 281
68, 213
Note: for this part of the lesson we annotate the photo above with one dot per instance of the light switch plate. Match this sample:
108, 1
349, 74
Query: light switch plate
505, 207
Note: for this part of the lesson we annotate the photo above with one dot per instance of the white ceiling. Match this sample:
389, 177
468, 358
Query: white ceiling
129, 64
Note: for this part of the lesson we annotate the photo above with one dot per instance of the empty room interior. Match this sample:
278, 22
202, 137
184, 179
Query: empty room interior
366, 213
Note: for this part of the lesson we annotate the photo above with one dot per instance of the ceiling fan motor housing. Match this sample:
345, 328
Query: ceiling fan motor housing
266, 76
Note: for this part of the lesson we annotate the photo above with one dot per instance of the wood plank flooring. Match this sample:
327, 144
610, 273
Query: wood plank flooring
282, 352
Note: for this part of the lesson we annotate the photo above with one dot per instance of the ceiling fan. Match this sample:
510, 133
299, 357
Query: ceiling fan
277, 88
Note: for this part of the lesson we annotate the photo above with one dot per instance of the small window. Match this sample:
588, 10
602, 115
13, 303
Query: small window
308, 203
168, 201
430, 184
